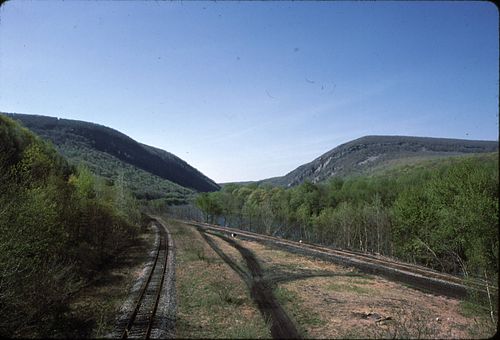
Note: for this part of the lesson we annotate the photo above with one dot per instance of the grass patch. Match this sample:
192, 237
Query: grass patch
213, 302
195, 253
482, 325
350, 287
282, 267
303, 317
284, 295
361, 280
279, 254
470, 309
246, 330
226, 292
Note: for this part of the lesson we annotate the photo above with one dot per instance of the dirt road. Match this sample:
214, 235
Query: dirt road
261, 290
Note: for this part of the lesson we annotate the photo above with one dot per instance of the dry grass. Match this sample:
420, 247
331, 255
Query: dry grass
213, 302
230, 251
331, 301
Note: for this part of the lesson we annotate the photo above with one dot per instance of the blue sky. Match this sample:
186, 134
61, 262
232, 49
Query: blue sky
250, 90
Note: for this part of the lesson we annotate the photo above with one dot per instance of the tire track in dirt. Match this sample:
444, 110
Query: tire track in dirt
419, 277
261, 292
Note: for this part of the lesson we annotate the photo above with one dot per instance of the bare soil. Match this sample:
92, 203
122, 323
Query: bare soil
331, 301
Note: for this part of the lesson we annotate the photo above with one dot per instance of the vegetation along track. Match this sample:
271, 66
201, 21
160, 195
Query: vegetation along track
417, 276
150, 315
261, 291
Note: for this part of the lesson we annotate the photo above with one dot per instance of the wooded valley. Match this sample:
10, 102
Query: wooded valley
440, 213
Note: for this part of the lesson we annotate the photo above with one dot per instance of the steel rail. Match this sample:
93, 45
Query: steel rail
367, 262
162, 245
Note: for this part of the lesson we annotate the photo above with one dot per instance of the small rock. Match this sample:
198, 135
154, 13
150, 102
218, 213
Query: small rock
438, 319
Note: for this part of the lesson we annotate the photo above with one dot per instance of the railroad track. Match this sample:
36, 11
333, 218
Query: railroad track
144, 320
414, 275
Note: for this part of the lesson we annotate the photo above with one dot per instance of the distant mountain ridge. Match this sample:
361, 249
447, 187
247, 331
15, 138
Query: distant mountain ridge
364, 154
75, 138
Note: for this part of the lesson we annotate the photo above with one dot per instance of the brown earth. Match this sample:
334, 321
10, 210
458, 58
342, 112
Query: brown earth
331, 301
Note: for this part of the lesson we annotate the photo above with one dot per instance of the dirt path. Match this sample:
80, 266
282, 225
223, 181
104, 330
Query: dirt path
261, 291
419, 277
322, 299
213, 301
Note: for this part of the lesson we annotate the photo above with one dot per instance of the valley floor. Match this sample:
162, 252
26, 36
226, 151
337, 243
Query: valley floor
330, 301
212, 300
322, 299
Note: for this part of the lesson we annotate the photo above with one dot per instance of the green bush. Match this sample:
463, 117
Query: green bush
58, 225
440, 213
452, 220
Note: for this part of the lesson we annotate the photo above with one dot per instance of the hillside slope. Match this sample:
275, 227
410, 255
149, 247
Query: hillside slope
59, 228
366, 154
111, 154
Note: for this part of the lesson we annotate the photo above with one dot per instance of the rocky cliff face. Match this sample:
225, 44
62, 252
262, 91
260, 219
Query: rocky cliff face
366, 153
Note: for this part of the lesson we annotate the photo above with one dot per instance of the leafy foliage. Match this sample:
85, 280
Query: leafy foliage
58, 225
143, 184
440, 213
453, 215
150, 173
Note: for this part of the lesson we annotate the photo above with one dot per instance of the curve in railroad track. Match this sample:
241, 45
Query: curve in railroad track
414, 275
150, 316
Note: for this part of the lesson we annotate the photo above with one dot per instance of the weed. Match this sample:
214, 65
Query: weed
284, 295
226, 292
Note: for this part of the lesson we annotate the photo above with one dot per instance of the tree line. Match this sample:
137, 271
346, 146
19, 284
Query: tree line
442, 214
58, 226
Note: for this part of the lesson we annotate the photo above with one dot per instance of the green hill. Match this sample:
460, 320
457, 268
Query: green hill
149, 172
371, 154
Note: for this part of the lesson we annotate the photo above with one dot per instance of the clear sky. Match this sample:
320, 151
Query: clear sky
250, 90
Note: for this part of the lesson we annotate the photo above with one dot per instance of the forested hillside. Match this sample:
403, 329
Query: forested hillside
371, 153
58, 225
149, 172
439, 213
